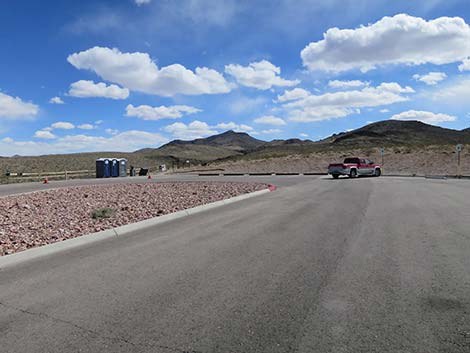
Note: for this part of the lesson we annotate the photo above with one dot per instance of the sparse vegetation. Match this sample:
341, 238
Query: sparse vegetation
411, 140
100, 213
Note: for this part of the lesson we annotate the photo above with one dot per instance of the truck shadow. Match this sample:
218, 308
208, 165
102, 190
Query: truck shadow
343, 178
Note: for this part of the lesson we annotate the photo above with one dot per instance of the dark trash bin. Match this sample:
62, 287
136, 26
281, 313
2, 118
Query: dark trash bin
143, 171
132, 171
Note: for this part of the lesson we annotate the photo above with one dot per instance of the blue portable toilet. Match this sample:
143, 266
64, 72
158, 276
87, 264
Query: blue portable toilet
115, 168
103, 168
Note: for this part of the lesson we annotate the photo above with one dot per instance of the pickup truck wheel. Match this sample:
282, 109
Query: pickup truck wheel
335, 176
353, 173
378, 172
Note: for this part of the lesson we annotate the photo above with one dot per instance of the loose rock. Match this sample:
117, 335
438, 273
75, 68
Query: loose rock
50, 216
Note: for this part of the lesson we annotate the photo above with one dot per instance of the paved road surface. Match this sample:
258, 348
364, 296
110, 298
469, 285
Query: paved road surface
10, 189
364, 265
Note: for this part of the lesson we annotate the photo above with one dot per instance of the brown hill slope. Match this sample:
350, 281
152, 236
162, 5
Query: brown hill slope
395, 132
388, 133
177, 152
233, 146
229, 140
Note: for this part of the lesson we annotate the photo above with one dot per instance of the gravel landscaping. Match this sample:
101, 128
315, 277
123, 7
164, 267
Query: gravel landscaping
45, 217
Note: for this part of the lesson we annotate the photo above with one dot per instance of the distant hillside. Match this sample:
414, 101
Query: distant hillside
176, 153
236, 141
395, 132
233, 146
225, 145
388, 133
73, 161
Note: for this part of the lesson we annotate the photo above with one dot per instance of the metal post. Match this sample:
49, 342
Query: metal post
458, 148
382, 152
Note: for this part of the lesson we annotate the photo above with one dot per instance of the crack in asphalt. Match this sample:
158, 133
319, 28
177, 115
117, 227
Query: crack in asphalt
95, 333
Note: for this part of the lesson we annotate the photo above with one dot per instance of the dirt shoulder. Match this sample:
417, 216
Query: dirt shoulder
439, 160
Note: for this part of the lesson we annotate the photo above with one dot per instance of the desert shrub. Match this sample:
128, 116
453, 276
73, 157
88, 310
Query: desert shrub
99, 213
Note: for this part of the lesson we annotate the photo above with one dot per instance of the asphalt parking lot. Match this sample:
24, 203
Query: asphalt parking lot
319, 265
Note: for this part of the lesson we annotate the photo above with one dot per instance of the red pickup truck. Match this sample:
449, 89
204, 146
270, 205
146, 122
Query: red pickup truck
354, 167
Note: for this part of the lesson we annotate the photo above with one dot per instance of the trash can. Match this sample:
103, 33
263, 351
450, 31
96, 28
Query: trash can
114, 168
132, 171
123, 167
143, 171
103, 168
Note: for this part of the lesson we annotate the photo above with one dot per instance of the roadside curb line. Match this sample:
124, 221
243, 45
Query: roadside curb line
35, 253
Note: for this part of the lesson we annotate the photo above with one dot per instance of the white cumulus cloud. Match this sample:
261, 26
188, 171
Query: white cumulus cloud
56, 100
112, 131
261, 75
86, 126
44, 134
347, 84
270, 120
16, 108
147, 112
142, 2
343, 103
235, 127
126, 141
431, 78
138, 72
401, 39
63, 125
193, 130
424, 116
465, 66
90, 89
291, 95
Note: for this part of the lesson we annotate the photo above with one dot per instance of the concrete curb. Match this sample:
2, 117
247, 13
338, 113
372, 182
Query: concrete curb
35, 253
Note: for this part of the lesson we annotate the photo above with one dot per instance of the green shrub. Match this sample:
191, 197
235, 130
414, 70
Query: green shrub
102, 213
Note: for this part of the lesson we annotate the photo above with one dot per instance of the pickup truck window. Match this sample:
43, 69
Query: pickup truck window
351, 160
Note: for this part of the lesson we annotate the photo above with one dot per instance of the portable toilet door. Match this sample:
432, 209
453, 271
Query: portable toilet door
106, 168
99, 168
123, 167
114, 168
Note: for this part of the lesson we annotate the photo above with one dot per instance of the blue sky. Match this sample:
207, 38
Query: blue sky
123, 75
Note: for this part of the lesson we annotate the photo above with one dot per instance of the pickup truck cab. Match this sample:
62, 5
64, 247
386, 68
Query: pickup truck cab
354, 167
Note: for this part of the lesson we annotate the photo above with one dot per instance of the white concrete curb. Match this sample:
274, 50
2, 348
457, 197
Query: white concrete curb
35, 253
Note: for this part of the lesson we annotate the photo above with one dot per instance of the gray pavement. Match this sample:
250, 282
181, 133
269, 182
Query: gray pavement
363, 265
11, 189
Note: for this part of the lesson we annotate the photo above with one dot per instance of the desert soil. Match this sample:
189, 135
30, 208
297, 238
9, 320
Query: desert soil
45, 217
402, 161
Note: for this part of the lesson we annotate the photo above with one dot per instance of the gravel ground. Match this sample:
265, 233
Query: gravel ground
45, 217
434, 160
